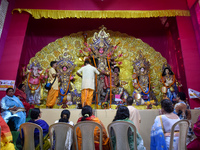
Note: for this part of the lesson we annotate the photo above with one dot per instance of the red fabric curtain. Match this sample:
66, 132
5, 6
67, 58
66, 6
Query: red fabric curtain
102, 4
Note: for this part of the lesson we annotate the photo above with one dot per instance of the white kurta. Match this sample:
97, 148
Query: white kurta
88, 76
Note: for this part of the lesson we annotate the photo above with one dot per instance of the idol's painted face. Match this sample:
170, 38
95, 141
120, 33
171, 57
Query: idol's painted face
142, 69
167, 71
64, 68
10, 92
101, 50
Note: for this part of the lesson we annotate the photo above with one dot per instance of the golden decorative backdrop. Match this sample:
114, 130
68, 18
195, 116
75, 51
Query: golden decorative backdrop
129, 46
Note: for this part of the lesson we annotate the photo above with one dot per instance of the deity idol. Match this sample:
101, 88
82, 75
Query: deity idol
65, 67
33, 83
100, 51
141, 79
169, 88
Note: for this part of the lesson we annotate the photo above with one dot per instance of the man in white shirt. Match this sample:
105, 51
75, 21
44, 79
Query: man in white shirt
88, 82
134, 113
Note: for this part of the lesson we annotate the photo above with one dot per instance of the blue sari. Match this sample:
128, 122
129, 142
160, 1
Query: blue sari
157, 136
9, 102
158, 139
45, 128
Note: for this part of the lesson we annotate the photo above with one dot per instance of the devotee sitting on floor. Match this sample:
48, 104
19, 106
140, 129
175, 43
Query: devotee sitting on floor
88, 116
20, 93
122, 114
12, 109
195, 144
134, 113
64, 117
35, 118
6, 136
160, 132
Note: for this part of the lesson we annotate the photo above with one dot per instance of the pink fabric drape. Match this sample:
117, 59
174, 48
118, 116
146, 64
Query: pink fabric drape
190, 55
103, 5
13, 48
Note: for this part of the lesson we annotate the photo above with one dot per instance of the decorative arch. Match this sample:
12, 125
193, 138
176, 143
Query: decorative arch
129, 46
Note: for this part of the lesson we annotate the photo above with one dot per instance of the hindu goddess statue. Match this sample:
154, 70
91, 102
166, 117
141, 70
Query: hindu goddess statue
65, 67
169, 88
101, 51
141, 79
34, 83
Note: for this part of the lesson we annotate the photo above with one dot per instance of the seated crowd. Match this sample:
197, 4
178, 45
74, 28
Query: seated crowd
13, 110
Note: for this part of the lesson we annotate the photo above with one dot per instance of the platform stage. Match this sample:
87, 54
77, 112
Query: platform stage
106, 116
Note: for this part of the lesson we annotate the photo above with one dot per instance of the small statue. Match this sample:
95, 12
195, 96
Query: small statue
168, 79
65, 68
141, 79
34, 83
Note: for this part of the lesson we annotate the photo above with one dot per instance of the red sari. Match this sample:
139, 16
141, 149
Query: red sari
22, 96
106, 142
6, 136
195, 144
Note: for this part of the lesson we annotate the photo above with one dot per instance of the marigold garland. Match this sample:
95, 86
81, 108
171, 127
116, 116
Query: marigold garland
95, 81
67, 87
29, 84
170, 84
141, 87
110, 81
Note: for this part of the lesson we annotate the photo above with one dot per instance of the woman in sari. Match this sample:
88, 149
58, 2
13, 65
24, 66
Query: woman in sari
160, 131
88, 116
20, 93
35, 118
6, 136
123, 115
12, 108
195, 144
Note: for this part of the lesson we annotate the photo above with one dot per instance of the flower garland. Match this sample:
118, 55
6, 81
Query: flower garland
30, 85
67, 87
110, 82
170, 84
95, 80
141, 87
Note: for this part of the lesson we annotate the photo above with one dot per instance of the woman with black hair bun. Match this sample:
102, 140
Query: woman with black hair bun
64, 117
88, 116
161, 129
122, 114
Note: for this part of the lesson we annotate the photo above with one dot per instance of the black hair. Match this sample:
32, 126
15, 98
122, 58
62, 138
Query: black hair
129, 100
181, 95
122, 113
86, 62
20, 86
9, 89
86, 112
52, 63
64, 116
170, 72
35, 112
167, 105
